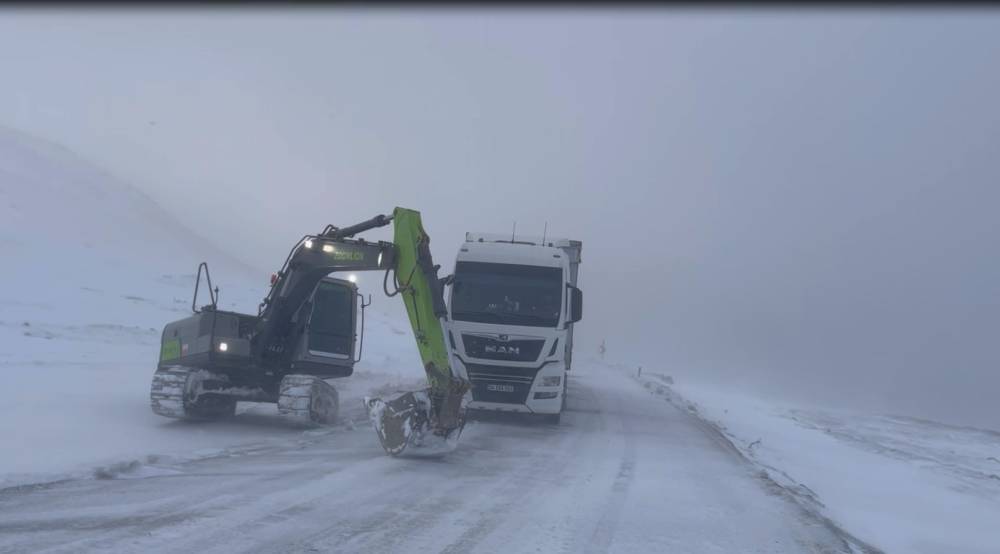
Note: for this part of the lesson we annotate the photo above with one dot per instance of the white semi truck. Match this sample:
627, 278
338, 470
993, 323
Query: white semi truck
512, 307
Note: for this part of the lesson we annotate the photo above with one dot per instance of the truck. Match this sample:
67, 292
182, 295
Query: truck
512, 307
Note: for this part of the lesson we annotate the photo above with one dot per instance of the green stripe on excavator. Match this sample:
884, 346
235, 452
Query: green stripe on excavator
170, 350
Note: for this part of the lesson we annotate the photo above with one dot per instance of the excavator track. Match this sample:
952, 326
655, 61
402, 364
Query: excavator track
177, 392
307, 400
168, 390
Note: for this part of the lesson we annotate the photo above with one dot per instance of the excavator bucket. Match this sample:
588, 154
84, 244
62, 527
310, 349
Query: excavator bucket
405, 424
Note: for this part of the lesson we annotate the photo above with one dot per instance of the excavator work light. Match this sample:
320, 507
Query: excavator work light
308, 244
328, 248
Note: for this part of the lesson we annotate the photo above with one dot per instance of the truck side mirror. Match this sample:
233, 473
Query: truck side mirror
576, 304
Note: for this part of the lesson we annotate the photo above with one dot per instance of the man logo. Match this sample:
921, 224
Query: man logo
503, 338
508, 350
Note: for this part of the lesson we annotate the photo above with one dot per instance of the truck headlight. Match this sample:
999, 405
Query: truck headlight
552, 381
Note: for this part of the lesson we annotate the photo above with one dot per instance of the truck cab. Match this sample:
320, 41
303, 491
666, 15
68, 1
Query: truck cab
512, 307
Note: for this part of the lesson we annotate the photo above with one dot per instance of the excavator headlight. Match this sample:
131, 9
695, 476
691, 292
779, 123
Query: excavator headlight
327, 248
308, 243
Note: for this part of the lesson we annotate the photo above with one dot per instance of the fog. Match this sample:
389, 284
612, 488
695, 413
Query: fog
801, 203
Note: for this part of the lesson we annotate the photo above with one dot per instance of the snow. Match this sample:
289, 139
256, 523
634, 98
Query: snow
624, 472
897, 483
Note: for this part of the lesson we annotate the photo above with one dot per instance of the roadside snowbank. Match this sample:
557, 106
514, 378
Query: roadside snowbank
898, 484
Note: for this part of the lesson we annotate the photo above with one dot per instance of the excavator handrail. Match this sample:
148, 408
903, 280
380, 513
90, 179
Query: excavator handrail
213, 294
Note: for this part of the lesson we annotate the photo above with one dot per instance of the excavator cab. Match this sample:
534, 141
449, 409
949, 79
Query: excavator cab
330, 344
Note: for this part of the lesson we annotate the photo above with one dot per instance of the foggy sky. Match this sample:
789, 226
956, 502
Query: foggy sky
796, 202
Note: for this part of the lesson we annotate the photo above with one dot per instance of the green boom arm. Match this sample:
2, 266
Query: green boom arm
422, 295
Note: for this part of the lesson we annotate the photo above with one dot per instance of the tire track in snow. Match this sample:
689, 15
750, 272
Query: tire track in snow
515, 487
604, 533
601, 539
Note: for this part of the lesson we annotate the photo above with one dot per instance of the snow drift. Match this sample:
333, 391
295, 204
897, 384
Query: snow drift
896, 484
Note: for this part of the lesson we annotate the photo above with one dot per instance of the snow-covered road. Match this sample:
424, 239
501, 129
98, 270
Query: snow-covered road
624, 472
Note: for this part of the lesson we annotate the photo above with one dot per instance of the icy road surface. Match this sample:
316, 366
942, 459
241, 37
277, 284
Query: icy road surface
624, 472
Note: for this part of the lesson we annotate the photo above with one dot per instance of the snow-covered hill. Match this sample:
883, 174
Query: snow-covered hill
92, 271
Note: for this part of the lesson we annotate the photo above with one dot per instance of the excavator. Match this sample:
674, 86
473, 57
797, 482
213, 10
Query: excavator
305, 333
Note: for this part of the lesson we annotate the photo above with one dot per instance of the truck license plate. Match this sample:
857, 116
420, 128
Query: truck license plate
500, 388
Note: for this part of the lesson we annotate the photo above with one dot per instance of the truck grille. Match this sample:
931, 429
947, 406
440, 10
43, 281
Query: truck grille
507, 385
486, 348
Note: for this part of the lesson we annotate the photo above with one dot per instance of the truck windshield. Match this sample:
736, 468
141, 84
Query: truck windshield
507, 294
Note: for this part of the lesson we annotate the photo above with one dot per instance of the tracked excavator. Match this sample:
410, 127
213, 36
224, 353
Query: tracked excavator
305, 333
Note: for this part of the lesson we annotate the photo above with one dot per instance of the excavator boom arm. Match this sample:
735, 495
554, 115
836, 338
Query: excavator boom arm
422, 295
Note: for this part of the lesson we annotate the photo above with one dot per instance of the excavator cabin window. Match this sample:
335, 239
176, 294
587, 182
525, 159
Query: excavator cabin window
331, 325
